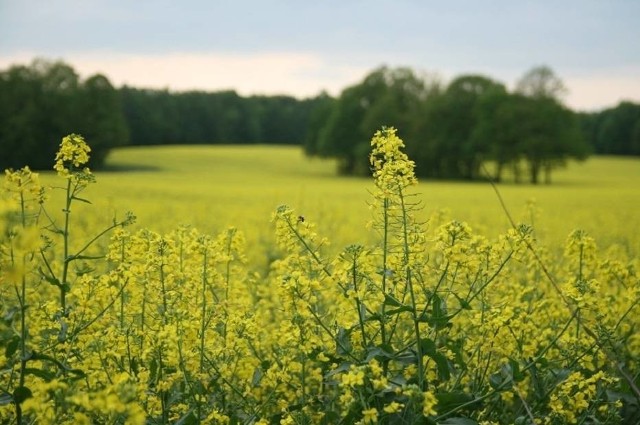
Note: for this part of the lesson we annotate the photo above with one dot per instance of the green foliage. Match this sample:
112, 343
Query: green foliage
614, 131
453, 133
157, 117
385, 97
445, 144
42, 102
539, 131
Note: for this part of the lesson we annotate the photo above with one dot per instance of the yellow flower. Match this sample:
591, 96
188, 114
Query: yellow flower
370, 416
72, 155
393, 407
429, 404
352, 378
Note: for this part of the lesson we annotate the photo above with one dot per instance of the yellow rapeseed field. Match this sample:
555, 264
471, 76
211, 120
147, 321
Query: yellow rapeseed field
212, 187
256, 287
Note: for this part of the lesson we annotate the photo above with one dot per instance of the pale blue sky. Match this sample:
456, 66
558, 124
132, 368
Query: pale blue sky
302, 47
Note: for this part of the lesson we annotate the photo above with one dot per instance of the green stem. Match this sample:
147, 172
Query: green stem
67, 259
204, 309
307, 247
354, 269
227, 279
22, 297
385, 247
409, 280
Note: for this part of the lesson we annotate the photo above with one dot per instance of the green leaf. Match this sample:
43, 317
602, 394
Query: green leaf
439, 318
12, 346
51, 280
10, 314
398, 310
47, 376
499, 382
86, 201
508, 374
343, 367
257, 377
153, 369
62, 335
20, 394
375, 317
380, 351
391, 300
5, 398
516, 373
428, 348
188, 418
452, 400
343, 342
463, 303
87, 257
39, 356
458, 421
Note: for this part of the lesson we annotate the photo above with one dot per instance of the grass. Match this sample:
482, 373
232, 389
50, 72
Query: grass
211, 187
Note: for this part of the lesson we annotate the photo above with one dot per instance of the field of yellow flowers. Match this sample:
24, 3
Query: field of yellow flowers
414, 319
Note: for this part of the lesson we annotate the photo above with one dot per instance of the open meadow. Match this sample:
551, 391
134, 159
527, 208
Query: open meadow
364, 301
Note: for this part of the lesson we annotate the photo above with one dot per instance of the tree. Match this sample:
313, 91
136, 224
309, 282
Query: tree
541, 82
40, 107
549, 132
498, 125
103, 123
452, 118
549, 135
386, 97
20, 96
319, 115
618, 130
43, 102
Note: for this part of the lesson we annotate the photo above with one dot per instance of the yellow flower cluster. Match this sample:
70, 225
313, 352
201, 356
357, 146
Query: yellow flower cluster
574, 395
392, 169
72, 156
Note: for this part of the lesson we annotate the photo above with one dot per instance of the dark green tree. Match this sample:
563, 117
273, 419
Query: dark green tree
102, 122
43, 102
498, 125
386, 97
20, 99
539, 131
318, 117
618, 130
451, 119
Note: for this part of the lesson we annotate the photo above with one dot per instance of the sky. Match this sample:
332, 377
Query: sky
303, 47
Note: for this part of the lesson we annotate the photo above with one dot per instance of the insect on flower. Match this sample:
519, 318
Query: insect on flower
300, 219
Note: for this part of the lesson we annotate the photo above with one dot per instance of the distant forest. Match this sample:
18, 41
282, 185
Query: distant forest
449, 129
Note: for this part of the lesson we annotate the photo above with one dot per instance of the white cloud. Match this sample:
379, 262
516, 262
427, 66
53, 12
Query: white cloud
603, 89
298, 74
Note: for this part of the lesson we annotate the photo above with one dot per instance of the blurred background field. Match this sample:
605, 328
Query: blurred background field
212, 187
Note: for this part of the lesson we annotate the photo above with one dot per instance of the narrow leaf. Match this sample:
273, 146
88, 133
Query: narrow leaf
12, 347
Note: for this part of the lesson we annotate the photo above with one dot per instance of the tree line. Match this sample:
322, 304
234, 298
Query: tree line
451, 130
42, 102
157, 117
